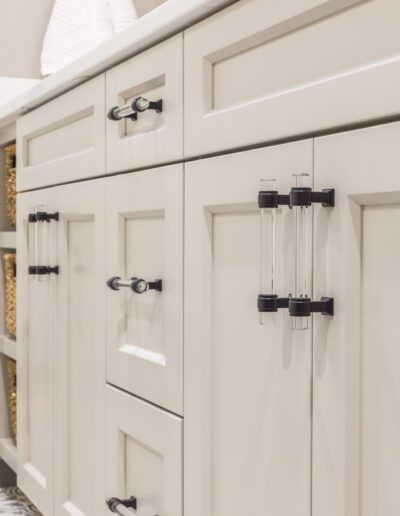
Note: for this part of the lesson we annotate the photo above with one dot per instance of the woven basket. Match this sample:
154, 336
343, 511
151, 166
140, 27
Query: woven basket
11, 292
10, 179
12, 394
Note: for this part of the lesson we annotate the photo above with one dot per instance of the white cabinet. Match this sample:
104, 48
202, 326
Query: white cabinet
247, 386
61, 350
79, 341
144, 455
154, 136
145, 240
356, 356
64, 139
262, 70
35, 352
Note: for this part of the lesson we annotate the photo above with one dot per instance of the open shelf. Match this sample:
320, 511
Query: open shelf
8, 346
8, 239
8, 452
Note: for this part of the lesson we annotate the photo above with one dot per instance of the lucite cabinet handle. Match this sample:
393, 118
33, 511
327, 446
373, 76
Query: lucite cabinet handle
41, 242
131, 109
300, 199
123, 507
137, 285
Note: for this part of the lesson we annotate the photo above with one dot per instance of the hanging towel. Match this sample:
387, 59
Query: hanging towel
77, 26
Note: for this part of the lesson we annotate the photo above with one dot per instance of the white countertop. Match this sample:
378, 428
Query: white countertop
166, 20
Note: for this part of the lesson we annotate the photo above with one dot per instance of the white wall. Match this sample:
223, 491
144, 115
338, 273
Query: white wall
22, 27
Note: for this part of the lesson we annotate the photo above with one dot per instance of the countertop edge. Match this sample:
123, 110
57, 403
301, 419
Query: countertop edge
165, 21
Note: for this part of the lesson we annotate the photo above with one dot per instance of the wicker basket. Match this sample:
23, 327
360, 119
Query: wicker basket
10, 179
12, 394
11, 292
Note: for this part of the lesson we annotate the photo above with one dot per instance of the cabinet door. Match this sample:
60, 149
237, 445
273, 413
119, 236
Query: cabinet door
261, 70
144, 455
36, 344
247, 385
79, 367
357, 355
145, 240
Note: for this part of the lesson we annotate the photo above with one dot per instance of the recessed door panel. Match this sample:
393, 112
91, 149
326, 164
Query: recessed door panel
247, 385
356, 389
144, 240
155, 135
144, 455
261, 71
80, 353
35, 351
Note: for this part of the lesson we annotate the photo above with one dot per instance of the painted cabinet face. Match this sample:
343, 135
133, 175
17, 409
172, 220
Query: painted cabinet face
79, 367
155, 136
35, 350
145, 240
61, 350
64, 139
247, 385
356, 357
238, 93
144, 455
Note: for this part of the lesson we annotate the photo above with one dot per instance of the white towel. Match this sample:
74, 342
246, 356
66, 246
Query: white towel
77, 26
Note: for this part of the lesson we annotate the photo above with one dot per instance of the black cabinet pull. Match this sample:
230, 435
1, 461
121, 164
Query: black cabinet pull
43, 216
41, 270
123, 507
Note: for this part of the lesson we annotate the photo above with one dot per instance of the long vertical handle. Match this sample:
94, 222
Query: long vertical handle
42, 242
303, 255
268, 250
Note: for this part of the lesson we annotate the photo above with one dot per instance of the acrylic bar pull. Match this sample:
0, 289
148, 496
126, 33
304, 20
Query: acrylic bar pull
303, 228
138, 285
268, 246
132, 108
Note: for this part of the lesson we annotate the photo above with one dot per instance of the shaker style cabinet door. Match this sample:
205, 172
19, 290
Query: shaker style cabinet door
36, 295
144, 456
145, 108
64, 139
145, 280
357, 356
247, 384
79, 367
261, 70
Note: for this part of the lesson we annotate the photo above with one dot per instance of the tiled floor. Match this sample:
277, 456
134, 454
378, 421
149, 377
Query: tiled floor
13, 502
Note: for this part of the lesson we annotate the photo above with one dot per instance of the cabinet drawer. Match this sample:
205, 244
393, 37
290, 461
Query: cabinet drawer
144, 455
263, 70
64, 139
155, 137
145, 240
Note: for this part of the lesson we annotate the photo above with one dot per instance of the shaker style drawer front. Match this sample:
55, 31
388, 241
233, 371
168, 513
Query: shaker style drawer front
144, 456
263, 70
145, 285
64, 139
145, 108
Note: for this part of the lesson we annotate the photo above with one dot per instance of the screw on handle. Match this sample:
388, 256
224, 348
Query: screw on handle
131, 110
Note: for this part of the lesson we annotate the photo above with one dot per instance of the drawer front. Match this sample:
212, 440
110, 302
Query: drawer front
155, 137
144, 455
64, 139
145, 240
263, 70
